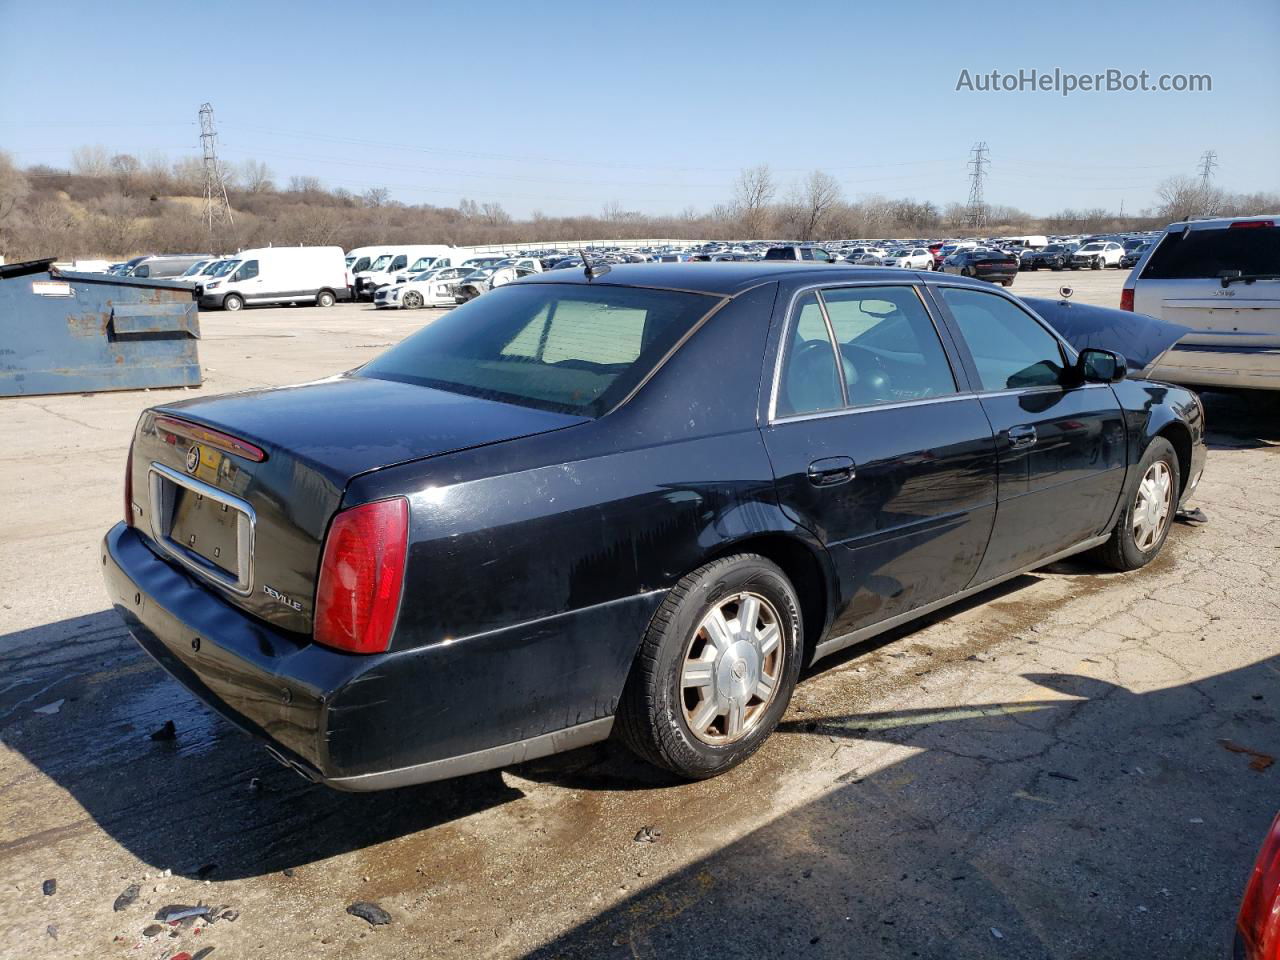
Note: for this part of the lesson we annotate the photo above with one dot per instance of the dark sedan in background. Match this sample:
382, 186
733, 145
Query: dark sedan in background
634, 501
1056, 256
995, 266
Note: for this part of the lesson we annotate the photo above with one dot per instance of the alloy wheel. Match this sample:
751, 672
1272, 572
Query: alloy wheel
1153, 506
731, 669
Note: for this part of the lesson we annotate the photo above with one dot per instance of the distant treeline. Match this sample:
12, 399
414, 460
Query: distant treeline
115, 206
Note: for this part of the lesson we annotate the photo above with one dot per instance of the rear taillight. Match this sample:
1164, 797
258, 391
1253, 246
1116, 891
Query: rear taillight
1259, 919
1126, 300
361, 576
128, 488
1251, 224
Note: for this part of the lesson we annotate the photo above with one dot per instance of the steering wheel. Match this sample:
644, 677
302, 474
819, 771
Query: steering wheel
868, 381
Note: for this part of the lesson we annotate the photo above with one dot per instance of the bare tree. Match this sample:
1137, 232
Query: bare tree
376, 197
493, 214
13, 186
188, 175
753, 192
469, 209
90, 161
298, 184
127, 170
256, 176
820, 193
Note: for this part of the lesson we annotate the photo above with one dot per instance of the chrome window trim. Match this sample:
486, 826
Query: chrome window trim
788, 319
162, 517
871, 408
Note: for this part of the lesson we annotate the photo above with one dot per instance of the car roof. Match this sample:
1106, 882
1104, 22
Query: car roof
728, 279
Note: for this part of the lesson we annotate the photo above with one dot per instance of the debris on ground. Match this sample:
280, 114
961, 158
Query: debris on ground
231, 916
1063, 776
648, 835
1194, 515
167, 732
52, 931
180, 911
202, 953
370, 912
997, 934
1258, 761
127, 898
50, 708
49, 887
152, 930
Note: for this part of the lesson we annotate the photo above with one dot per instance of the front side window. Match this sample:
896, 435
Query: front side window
562, 347
889, 349
1010, 348
399, 263
248, 271
380, 264
810, 382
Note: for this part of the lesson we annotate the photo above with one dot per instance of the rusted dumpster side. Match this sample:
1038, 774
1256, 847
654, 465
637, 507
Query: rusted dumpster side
84, 332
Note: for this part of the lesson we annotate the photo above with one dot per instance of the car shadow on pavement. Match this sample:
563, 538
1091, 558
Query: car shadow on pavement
1087, 821
206, 802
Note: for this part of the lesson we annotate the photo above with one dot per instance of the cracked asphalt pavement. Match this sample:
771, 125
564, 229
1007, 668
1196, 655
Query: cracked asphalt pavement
1073, 765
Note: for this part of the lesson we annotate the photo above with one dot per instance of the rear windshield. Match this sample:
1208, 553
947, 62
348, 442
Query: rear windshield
563, 347
1202, 254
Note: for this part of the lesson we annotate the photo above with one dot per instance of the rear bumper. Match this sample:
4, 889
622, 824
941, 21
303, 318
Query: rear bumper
365, 722
1226, 366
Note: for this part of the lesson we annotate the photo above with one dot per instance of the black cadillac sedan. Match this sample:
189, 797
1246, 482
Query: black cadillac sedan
634, 502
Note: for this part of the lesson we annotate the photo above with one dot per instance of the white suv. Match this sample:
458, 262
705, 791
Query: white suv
1097, 254
1221, 278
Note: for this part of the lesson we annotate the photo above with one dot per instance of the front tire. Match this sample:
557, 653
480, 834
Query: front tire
412, 300
716, 668
1151, 502
233, 302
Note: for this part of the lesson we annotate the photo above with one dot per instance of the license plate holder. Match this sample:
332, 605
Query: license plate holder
206, 529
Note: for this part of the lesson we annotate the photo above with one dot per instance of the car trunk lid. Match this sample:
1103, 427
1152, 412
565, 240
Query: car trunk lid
239, 489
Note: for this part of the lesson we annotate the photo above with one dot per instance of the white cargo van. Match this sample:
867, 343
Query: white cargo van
358, 260
405, 259
1221, 278
278, 275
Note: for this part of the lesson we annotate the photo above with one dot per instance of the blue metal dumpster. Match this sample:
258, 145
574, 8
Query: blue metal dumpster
83, 332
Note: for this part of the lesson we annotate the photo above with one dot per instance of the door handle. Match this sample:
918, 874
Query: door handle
1021, 437
830, 471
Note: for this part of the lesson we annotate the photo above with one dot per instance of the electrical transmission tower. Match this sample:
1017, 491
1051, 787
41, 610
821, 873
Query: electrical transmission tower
976, 212
1208, 160
217, 208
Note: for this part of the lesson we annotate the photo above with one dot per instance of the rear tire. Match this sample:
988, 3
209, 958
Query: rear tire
412, 300
707, 688
325, 298
233, 302
1151, 500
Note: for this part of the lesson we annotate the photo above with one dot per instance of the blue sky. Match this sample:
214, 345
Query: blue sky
565, 107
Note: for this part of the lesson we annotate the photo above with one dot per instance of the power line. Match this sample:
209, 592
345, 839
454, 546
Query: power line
976, 211
217, 207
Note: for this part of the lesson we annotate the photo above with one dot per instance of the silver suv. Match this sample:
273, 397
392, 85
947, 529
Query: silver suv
1221, 278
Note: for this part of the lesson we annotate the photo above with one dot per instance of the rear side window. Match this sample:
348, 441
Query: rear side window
1203, 254
810, 382
564, 347
1009, 348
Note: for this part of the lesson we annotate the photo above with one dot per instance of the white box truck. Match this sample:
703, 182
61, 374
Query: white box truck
278, 275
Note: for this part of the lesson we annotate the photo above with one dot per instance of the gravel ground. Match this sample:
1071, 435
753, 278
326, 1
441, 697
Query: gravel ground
1038, 772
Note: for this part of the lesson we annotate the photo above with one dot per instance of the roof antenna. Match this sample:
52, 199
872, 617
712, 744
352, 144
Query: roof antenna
599, 270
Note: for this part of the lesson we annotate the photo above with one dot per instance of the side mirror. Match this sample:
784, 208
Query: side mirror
1101, 366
